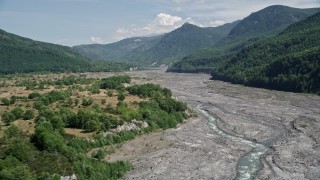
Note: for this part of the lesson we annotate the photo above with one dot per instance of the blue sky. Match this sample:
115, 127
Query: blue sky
74, 22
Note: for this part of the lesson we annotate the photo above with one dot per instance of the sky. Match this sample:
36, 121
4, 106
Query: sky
75, 22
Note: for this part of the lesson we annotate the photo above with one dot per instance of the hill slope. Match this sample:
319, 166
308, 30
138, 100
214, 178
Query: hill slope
271, 19
289, 61
181, 42
118, 50
161, 49
19, 55
264, 23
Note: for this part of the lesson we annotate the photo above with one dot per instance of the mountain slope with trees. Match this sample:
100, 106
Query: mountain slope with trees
118, 50
179, 43
257, 26
21, 55
289, 61
161, 49
271, 19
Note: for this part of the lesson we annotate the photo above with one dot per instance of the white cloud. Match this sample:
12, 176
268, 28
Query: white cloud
162, 23
167, 20
203, 13
216, 23
96, 40
181, 1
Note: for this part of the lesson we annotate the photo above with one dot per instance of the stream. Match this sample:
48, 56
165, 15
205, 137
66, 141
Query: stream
250, 163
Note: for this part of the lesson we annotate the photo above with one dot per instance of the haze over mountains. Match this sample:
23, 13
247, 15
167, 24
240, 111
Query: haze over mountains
225, 50
264, 23
161, 49
188, 39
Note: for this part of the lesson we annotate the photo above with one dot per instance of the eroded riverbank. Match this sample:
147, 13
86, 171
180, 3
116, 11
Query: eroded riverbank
286, 122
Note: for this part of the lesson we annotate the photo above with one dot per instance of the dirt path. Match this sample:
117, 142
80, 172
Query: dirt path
289, 123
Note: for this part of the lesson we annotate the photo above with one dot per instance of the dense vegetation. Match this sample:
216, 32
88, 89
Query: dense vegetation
179, 43
114, 82
257, 26
49, 151
117, 51
163, 49
271, 19
21, 55
289, 61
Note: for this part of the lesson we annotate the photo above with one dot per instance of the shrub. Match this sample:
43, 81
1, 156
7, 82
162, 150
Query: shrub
103, 101
28, 115
8, 117
87, 102
34, 95
18, 112
13, 99
45, 138
114, 82
5, 101
76, 102
110, 93
121, 96
12, 168
100, 154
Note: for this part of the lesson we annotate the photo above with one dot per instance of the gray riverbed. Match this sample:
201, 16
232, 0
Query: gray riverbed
287, 123
250, 163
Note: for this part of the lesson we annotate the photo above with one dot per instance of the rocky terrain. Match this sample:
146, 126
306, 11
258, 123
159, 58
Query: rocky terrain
288, 123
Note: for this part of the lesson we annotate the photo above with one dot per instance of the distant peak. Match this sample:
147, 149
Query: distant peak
277, 7
188, 25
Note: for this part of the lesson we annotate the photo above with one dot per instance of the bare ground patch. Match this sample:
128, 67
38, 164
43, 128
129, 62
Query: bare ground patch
78, 132
141, 145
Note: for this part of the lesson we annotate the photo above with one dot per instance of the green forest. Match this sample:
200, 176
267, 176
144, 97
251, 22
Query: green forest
265, 23
22, 55
77, 102
289, 61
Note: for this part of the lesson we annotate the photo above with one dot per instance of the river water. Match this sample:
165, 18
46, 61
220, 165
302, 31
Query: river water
249, 164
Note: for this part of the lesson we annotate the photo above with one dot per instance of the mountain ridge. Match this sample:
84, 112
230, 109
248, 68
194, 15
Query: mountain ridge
289, 61
23, 55
187, 38
272, 18
208, 59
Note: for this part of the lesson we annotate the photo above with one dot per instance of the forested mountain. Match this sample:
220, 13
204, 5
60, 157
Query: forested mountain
180, 42
118, 50
271, 19
289, 61
166, 48
264, 23
19, 54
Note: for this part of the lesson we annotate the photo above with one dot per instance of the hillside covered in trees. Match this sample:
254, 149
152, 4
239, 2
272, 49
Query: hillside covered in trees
21, 55
289, 61
162, 49
265, 23
61, 125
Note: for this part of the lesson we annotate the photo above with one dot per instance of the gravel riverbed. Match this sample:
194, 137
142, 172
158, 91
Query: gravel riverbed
288, 123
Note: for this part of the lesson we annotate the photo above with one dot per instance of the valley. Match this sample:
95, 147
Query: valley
57, 126
287, 123
233, 131
201, 93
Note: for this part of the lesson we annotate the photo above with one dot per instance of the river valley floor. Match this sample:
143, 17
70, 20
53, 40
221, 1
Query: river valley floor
287, 123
